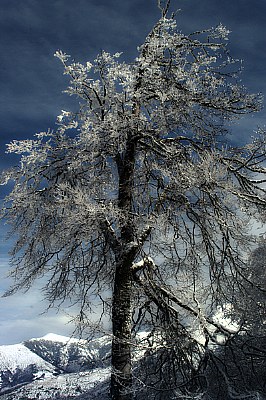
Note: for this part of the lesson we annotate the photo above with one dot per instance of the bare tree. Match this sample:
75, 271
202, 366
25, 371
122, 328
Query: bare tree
140, 194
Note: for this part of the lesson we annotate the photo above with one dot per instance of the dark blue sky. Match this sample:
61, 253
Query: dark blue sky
31, 81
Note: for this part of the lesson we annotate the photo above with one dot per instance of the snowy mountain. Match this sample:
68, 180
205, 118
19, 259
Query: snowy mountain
59, 367
19, 365
71, 355
53, 366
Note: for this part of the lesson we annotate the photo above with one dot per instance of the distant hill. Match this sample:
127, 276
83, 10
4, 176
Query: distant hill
55, 367
59, 367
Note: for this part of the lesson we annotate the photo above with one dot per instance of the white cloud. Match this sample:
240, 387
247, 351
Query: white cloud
23, 316
16, 330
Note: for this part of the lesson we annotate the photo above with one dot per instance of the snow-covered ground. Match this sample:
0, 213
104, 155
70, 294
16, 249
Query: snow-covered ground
90, 385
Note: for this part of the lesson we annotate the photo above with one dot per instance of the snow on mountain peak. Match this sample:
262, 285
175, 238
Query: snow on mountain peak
53, 337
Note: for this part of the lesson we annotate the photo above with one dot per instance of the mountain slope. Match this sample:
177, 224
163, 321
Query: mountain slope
71, 355
19, 365
58, 367
61, 365
90, 385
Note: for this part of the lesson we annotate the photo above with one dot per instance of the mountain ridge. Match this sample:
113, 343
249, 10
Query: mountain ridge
69, 365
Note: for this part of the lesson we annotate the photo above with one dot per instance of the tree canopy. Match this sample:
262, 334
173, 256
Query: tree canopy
139, 193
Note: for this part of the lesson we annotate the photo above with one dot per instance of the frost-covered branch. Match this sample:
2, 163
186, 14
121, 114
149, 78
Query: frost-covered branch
139, 202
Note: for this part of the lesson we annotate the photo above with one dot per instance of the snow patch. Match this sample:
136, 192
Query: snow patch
18, 356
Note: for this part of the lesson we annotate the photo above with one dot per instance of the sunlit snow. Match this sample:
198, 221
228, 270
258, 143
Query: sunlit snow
18, 356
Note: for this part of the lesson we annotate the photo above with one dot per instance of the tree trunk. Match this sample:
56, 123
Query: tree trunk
121, 379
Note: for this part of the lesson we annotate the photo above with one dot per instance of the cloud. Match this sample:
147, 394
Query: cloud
17, 330
25, 314
22, 316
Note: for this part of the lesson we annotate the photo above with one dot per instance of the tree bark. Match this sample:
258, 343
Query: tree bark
121, 378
